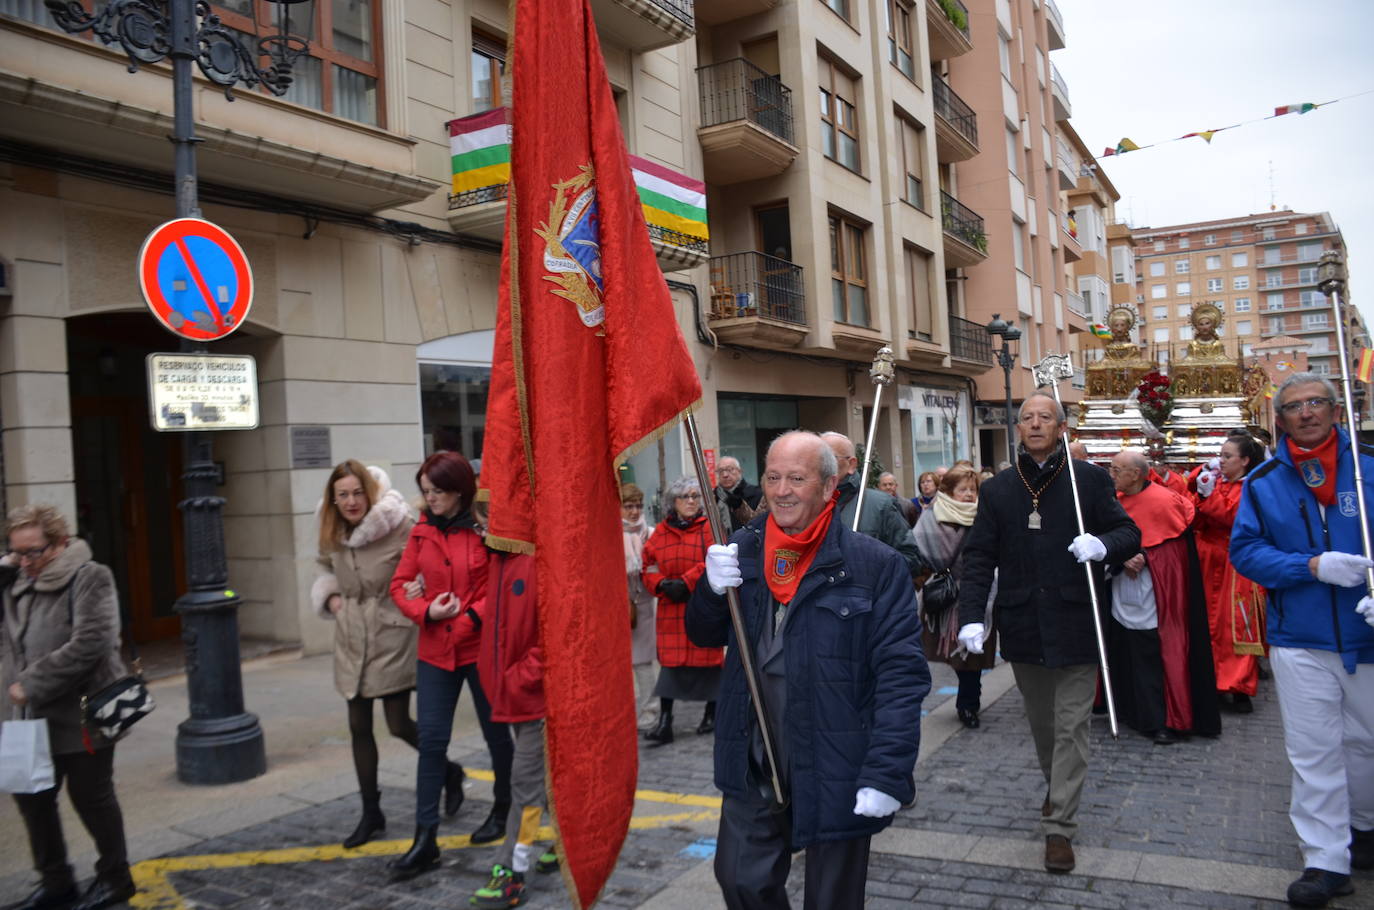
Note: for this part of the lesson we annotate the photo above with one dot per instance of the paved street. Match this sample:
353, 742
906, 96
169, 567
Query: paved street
1201, 824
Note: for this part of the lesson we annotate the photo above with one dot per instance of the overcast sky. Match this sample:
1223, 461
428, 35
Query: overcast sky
1153, 71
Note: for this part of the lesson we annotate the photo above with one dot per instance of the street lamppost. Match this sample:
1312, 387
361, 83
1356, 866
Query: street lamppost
220, 742
1006, 359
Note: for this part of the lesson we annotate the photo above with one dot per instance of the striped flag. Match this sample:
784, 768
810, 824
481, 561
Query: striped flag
480, 146
1366, 367
1101, 331
1294, 109
672, 201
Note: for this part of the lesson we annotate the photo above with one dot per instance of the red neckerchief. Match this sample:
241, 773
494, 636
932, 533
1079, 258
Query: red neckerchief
1318, 468
787, 557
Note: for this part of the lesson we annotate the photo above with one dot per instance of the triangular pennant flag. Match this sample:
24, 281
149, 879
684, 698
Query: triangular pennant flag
1294, 109
1205, 134
1126, 145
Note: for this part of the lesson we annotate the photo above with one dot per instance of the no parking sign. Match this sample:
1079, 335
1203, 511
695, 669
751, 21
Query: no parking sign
195, 278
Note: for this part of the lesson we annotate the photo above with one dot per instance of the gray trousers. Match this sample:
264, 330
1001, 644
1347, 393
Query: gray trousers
1059, 704
754, 856
528, 797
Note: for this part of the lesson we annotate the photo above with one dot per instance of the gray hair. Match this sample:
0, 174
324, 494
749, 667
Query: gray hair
1059, 414
681, 487
828, 465
1304, 379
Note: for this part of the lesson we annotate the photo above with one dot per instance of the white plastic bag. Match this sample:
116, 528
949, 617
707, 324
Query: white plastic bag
25, 757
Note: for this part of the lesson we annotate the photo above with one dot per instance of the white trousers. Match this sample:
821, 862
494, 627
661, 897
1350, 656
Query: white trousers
1328, 729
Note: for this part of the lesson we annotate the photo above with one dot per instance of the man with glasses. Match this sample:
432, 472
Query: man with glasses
739, 498
1298, 534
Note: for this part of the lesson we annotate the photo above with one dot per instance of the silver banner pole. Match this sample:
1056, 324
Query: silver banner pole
881, 374
1331, 282
1049, 372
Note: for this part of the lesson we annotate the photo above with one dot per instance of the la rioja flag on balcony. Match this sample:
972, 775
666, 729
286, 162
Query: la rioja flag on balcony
589, 364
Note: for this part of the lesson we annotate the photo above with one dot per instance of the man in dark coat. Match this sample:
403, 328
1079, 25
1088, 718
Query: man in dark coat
831, 618
882, 517
739, 498
1027, 531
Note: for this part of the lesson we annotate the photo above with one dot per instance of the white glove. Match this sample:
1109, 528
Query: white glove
1087, 548
971, 637
722, 567
1206, 483
1366, 609
1344, 570
874, 803
1214, 465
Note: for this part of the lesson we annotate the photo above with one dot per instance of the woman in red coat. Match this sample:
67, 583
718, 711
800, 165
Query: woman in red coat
1235, 605
674, 560
441, 584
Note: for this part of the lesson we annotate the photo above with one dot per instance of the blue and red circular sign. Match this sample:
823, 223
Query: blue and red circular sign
195, 279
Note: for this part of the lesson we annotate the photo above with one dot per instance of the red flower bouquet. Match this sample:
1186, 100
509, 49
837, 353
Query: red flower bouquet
1153, 398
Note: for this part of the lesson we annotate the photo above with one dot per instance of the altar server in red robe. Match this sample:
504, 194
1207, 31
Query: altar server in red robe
1158, 638
1235, 605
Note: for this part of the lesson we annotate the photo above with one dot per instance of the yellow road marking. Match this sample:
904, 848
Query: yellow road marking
156, 892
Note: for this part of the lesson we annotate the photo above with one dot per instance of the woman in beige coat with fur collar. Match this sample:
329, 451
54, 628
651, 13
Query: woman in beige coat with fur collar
364, 525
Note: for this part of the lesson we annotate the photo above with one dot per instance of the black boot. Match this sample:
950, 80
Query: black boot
661, 733
494, 828
708, 719
372, 822
453, 789
422, 856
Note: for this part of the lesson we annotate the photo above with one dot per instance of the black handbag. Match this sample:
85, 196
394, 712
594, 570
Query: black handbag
941, 591
116, 708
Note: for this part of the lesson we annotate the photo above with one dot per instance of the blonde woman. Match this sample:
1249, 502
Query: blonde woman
364, 525
643, 647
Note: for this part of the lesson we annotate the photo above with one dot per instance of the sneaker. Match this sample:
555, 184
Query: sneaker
547, 862
506, 889
1317, 886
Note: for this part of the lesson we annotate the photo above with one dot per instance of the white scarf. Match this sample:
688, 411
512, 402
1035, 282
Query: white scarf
636, 533
951, 511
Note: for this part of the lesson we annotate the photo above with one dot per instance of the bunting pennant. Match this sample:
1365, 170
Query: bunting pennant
1126, 145
1366, 367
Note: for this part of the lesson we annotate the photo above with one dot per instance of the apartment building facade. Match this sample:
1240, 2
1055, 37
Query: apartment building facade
1019, 186
818, 130
1261, 270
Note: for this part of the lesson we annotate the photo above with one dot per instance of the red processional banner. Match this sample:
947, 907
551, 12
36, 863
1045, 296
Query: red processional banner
589, 364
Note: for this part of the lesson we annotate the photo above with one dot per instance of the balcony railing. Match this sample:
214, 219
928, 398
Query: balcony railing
963, 222
1075, 303
956, 13
756, 284
1056, 20
680, 10
1058, 80
953, 109
969, 341
739, 90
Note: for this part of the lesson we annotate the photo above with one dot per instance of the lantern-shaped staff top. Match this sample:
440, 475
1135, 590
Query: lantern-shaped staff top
883, 371
1331, 273
1051, 369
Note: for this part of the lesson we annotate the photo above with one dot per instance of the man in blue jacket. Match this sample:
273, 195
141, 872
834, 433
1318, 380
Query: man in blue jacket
831, 617
1297, 533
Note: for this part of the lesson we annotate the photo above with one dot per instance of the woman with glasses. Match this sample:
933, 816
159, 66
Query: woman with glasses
364, 525
60, 642
1235, 605
642, 600
441, 584
674, 559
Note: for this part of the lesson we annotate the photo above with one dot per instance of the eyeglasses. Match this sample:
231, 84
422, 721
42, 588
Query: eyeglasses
35, 553
1315, 404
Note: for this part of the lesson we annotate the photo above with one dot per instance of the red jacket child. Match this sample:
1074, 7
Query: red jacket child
454, 560
511, 662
